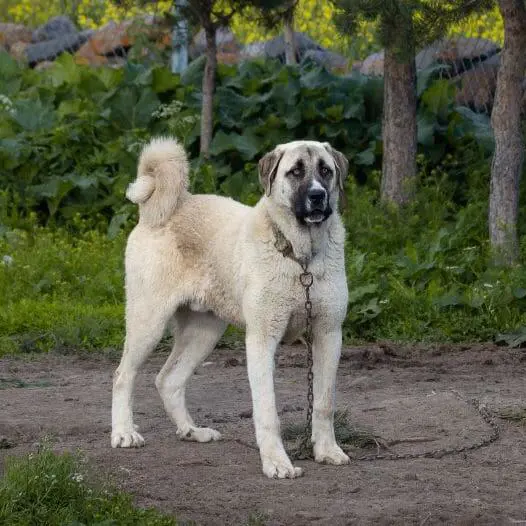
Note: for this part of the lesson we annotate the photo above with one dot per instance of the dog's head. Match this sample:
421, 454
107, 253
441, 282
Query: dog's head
306, 176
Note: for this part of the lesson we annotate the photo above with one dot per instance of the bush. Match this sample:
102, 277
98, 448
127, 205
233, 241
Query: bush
55, 489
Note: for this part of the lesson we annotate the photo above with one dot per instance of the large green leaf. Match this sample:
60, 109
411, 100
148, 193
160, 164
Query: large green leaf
248, 145
32, 115
164, 80
439, 97
133, 108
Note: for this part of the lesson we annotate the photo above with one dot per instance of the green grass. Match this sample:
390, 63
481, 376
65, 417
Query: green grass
51, 489
60, 289
421, 274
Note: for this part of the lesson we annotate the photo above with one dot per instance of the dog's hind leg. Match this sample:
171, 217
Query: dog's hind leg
144, 328
195, 337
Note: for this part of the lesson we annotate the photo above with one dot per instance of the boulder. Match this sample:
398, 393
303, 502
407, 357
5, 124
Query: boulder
275, 48
44, 65
116, 39
55, 27
225, 41
88, 56
461, 53
112, 39
476, 87
329, 59
18, 51
10, 34
373, 65
51, 49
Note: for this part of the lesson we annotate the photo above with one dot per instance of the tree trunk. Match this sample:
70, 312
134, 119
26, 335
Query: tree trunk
209, 84
289, 38
509, 148
399, 127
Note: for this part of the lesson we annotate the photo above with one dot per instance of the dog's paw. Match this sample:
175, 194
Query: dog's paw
200, 434
126, 439
330, 454
280, 467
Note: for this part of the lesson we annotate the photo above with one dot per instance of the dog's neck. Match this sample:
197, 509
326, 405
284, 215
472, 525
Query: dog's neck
305, 240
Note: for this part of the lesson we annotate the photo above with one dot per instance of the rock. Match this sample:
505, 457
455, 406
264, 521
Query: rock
44, 65
225, 41
13, 33
18, 51
112, 39
253, 50
51, 49
87, 55
275, 48
459, 52
228, 58
373, 65
55, 27
116, 39
329, 59
476, 87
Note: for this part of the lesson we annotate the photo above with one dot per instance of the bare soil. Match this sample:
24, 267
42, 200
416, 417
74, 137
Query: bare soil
411, 397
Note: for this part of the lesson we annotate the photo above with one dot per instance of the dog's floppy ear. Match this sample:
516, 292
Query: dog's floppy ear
268, 167
342, 168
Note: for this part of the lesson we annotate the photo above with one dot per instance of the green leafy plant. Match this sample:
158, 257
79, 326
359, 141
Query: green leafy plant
49, 488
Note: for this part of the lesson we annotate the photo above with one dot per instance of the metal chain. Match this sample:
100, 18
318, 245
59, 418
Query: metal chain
283, 246
304, 448
484, 413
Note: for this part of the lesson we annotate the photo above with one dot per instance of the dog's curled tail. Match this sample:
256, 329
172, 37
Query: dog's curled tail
162, 179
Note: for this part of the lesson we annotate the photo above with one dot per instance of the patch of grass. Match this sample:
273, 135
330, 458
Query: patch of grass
55, 489
347, 435
515, 415
8, 383
61, 289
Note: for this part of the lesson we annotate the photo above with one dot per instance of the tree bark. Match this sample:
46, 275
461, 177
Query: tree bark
209, 84
289, 39
399, 127
508, 158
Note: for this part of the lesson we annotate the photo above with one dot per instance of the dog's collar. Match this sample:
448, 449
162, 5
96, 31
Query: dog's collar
284, 247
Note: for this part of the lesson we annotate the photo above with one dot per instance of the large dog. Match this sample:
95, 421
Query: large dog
198, 262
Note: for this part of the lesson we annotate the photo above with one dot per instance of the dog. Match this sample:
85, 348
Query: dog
196, 263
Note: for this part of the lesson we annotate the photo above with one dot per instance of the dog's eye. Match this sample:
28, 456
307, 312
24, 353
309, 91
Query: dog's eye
296, 172
325, 172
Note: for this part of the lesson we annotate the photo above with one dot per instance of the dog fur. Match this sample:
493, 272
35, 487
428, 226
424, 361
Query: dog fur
196, 263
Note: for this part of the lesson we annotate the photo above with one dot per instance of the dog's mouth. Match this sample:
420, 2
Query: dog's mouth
316, 216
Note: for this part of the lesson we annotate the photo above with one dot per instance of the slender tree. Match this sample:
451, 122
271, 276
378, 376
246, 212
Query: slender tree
403, 24
288, 37
508, 158
210, 15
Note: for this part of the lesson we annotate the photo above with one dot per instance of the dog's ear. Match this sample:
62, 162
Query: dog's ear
268, 167
342, 168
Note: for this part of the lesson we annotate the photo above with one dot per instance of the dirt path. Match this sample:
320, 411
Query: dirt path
400, 393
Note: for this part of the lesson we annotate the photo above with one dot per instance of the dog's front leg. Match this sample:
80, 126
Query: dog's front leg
327, 345
260, 365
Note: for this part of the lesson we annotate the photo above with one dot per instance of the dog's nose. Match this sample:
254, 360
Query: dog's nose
316, 195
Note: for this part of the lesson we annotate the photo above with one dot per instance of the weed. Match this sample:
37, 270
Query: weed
55, 489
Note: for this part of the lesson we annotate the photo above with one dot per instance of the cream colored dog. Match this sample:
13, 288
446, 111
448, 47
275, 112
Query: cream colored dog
199, 262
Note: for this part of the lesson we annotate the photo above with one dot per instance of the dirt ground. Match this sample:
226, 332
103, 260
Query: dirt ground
408, 396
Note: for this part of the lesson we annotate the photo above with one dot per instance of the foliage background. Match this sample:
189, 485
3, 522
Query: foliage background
69, 141
313, 17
